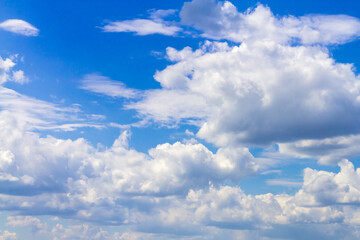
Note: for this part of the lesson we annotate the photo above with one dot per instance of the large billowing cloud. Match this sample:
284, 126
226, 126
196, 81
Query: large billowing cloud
276, 86
258, 92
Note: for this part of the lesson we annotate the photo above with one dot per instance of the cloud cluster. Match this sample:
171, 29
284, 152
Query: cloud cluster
6, 75
326, 198
179, 185
175, 188
59, 165
278, 85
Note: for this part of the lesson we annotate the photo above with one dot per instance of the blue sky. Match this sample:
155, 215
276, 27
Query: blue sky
196, 119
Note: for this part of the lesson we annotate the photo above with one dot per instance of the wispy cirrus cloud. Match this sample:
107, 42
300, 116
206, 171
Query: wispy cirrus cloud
103, 85
19, 26
155, 24
142, 27
34, 113
283, 182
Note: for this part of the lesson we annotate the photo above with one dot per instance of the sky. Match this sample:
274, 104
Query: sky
199, 119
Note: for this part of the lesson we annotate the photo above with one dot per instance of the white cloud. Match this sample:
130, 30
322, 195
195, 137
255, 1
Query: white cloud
327, 151
170, 107
19, 77
142, 27
258, 92
160, 14
27, 221
5, 66
34, 113
83, 231
326, 188
6, 235
165, 191
167, 169
19, 27
103, 85
221, 20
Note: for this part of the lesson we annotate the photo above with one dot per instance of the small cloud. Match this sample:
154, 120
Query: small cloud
157, 54
19, 77
19, 27
284, 182
105, 86
189, 133
161, 13
277, 171
142, 27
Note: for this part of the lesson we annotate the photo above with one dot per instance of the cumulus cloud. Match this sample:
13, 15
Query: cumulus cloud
326, 188
222, 20
19, 27
167, 169
279, 85
6, 75
179, 185
274, 87
174, 189
5, 66
258, 92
